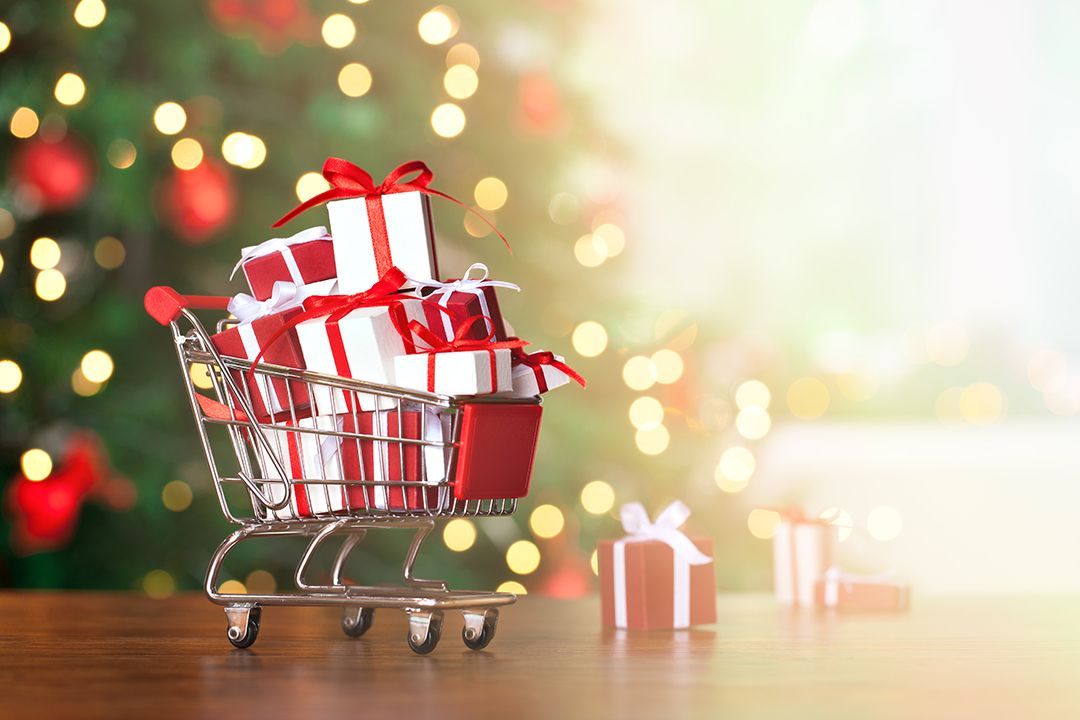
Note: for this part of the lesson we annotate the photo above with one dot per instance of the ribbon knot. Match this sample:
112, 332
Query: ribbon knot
545, 357
285, 295
665, 529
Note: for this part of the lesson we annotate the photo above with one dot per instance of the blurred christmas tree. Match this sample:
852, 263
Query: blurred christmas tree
150, 141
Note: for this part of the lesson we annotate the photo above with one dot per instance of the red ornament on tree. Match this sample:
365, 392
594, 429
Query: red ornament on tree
52, 174
540, 106
274, 24
198, 203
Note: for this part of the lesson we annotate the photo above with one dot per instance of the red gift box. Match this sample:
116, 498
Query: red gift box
465, 298
268, 396
498, 444
656, 577
859, 593
304, 258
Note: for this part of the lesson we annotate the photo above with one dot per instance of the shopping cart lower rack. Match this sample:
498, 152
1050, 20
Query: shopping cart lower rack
374, 457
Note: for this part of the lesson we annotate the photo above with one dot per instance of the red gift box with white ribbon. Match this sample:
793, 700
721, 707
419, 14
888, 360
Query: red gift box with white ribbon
848, 592
464, 298
304, 456
304, 258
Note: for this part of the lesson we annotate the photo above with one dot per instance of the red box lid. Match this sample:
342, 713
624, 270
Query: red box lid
498, 443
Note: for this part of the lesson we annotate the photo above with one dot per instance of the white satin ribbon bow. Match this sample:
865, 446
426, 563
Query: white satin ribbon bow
466, 284
285, 295
665, 529
281, 245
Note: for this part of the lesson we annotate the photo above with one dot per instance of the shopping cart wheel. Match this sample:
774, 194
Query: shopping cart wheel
424, 631
243, 625
479, 628
357, 621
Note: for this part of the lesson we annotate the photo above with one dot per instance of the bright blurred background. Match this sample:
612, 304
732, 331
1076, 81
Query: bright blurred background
807, 253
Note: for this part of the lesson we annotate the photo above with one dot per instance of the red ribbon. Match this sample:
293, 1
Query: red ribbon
460, 343
537, 360
351, 181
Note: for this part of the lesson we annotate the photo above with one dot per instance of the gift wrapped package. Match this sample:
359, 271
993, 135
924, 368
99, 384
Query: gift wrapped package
535, 373
656, 576
375, 232
847, 592
463, 372
496, 450
303, 456
803, 549
306, 257
471, 296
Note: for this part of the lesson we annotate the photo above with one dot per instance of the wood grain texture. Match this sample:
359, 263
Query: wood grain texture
125, 656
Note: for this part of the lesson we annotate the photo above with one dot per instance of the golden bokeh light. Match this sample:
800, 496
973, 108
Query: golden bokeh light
5, 37
24, 122
44, 253
475, 226
668, 365
70, 89
187, 153
36, 464
448, 120
639, 373
841, 519
437, 25
597, 497
523, 557
753, 423
463, 54
589, 339
763, 523
546, 521
609, 239
309, 185
737, 464
243, 150
884, 523
200, 376
982, 403
97, 366
176, 496
158, 584
354, 79
586, 253
460, 82
260, 582
90, 13
808, 398
109, 252
512, 586
83, 387
170, 118
646, 412
490, 193
233, 587
594, 562
653, 440
752, 393
50, 285
10, 376
338, 30
459, 534
121, 154
1, 264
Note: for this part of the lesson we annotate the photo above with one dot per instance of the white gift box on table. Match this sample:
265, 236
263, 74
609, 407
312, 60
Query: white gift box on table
306, 456
803, 550
406, 234
471, 372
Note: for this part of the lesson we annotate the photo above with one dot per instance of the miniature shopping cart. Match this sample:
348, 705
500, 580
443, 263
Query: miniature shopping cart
333, 477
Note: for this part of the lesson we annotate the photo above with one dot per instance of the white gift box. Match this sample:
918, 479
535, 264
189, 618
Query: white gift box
307, 456
477, 372
530, 381
408, 234
803, 550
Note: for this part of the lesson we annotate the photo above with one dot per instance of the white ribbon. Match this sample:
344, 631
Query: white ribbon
284, 296
282, 245
665, 529
466, 284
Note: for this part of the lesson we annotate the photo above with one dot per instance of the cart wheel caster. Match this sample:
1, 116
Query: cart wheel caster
243, 625
479, 629
424, 632
357, 621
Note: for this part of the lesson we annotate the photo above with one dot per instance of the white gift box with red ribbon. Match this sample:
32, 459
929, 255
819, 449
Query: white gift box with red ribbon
803, 549
467, 372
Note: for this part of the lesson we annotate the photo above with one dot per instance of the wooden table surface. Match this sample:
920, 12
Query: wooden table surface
126, 656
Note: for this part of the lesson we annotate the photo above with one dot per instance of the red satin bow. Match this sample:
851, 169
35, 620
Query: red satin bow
546, 357
350, 181
460, 343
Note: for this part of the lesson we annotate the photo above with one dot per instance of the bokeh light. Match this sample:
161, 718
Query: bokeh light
97, 366
176, 496
753, 423
594, 562
170, 118
49, 285
90, 13
841, 519
36, 464
546, 521
83, 387
309, 185
589, 339
808, 398
121, 154
646, 412
459, 534
5, 37
884, 523
232, 587
437, 25
158, 584
463, 54
10, 376
609, 239
260, 582
597, 497
24, 122
752, 393
460, 82
653, 440
70, 89
243, 150
200, 376
354, 79
737, 465
668, 365
338, 31
44, 253
982, 403
448, 120
639, 373
109, 253
490, 193
512, 586
187, 153
586, 252
763, 523
523, 557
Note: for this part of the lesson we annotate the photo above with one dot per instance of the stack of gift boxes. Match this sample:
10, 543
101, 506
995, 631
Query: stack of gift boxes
365, 300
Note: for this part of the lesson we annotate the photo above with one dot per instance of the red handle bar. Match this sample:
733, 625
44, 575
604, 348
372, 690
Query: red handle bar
164, 304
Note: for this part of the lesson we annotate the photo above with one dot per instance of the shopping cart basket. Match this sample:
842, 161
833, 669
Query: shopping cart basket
334, 476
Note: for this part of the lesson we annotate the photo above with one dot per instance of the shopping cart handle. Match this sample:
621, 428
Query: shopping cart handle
164, 304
